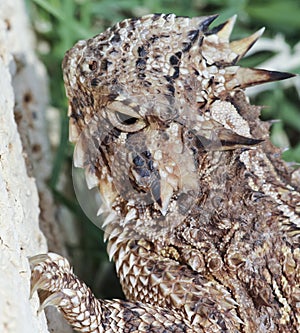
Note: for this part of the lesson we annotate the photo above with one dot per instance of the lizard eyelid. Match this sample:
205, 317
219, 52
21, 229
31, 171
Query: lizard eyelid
125, 122
126, 119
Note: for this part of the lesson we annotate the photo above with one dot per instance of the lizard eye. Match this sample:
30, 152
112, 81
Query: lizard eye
124, 118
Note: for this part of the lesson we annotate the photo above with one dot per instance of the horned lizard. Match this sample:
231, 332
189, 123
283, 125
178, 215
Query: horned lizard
201, 215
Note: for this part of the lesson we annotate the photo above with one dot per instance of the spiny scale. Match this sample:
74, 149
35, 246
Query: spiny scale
155, 72
201, 219
247, 77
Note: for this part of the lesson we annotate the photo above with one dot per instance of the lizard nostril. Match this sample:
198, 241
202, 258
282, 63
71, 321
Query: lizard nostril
93, 65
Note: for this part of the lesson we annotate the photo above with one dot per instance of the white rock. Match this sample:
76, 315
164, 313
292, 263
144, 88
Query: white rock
22, 81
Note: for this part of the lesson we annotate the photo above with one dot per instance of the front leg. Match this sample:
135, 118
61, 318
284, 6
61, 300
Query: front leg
60, 287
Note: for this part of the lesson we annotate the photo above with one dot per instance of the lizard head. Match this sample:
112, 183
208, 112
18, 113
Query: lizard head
148, 99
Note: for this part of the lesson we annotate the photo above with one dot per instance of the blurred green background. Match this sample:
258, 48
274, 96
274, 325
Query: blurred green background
58, 24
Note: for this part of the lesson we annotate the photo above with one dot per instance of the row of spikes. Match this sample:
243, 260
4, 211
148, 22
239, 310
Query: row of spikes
245, 77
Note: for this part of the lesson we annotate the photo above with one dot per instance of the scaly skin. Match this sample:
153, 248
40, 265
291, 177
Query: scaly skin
202, 217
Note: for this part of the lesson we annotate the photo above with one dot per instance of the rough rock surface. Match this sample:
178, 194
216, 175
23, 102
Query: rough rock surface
23, 152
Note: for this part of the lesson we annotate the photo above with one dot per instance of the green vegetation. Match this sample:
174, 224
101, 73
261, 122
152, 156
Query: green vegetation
60, 23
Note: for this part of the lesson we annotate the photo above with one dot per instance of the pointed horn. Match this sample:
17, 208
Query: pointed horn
221, 138
166, 195
230, 140
156, 192
103, 209
247, 77
109, 218
79, 157
91, 178
107, 191
207, 21
224, 30
162, 192
241, 47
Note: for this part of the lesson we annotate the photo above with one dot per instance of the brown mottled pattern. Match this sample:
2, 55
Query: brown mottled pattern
201, 215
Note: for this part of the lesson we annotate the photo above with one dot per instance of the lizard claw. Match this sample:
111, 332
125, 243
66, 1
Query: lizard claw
62, 299
54, 299
49, 258
58, 286
47, 272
